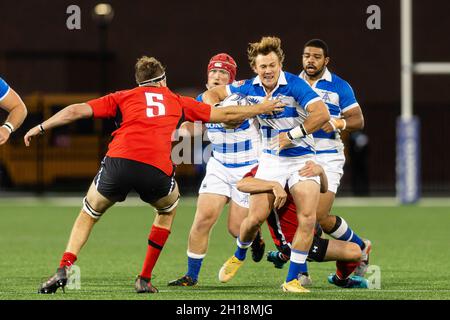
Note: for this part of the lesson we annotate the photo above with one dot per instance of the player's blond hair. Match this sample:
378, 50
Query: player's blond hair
147, 68
264, 47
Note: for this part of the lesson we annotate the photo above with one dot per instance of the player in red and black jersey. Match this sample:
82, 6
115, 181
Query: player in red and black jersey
283, 225
138, 157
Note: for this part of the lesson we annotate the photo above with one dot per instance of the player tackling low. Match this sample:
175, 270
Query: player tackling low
287, 145
283, 223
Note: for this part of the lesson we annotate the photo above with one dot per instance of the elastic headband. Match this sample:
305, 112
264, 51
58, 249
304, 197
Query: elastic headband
154, 80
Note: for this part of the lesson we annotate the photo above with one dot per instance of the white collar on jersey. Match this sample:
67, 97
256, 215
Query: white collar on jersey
281, 80
326, 75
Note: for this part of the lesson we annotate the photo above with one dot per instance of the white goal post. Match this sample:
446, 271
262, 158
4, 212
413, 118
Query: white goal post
408, 184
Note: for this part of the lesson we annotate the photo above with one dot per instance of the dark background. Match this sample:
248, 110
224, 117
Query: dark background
39, 54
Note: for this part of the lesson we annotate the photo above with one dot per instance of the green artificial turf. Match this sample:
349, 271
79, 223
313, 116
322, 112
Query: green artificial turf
411, 246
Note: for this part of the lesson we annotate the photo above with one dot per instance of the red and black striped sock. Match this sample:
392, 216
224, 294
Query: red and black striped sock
156, 241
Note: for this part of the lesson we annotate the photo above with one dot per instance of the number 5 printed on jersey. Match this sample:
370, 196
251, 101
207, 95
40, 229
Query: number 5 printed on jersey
154, 105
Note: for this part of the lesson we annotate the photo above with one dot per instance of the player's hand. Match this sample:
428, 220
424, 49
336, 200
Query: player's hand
311, 169
35, 131
188, 129
270, 106
333, 125
280, 142
280, 196
4, 135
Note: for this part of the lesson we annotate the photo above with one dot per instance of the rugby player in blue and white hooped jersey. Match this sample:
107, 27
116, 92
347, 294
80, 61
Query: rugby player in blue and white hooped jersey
10, 101
345, 114
234, 153
304, 113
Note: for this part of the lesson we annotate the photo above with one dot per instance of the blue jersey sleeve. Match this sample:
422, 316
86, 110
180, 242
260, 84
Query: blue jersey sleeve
4, 89
199, 97
347, 98
303, 93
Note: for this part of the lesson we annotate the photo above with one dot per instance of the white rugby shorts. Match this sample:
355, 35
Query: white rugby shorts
222, 180
283, 169
333, 165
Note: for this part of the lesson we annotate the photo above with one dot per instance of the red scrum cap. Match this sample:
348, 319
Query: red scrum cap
225, 62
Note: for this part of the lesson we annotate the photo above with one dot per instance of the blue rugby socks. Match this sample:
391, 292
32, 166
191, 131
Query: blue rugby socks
242, 248
194, 264
298, 264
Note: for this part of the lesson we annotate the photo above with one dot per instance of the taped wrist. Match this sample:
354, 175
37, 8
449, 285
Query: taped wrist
333, 123
297, 132
8, 126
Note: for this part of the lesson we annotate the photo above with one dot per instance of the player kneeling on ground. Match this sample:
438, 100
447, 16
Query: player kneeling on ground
283, 225
138, 158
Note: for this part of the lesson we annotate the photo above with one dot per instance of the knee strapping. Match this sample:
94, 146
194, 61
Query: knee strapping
168, 208
90, 211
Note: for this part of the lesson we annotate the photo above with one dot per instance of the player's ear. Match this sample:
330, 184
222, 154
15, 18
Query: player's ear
327, 60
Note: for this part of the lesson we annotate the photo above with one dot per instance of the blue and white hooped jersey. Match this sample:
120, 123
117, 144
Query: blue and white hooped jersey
339, 97
297, 95
4, 89
235, 147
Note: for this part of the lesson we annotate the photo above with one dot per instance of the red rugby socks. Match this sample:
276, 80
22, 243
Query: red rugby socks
156, 241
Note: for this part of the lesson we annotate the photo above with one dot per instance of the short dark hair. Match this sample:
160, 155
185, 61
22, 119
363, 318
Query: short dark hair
147, 68
317, 43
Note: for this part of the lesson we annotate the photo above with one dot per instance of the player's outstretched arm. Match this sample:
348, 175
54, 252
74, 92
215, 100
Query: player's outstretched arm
233, 114
17, 112
254, 185
67, 115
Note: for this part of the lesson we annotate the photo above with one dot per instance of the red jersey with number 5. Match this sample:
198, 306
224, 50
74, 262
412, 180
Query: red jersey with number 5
149, 116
